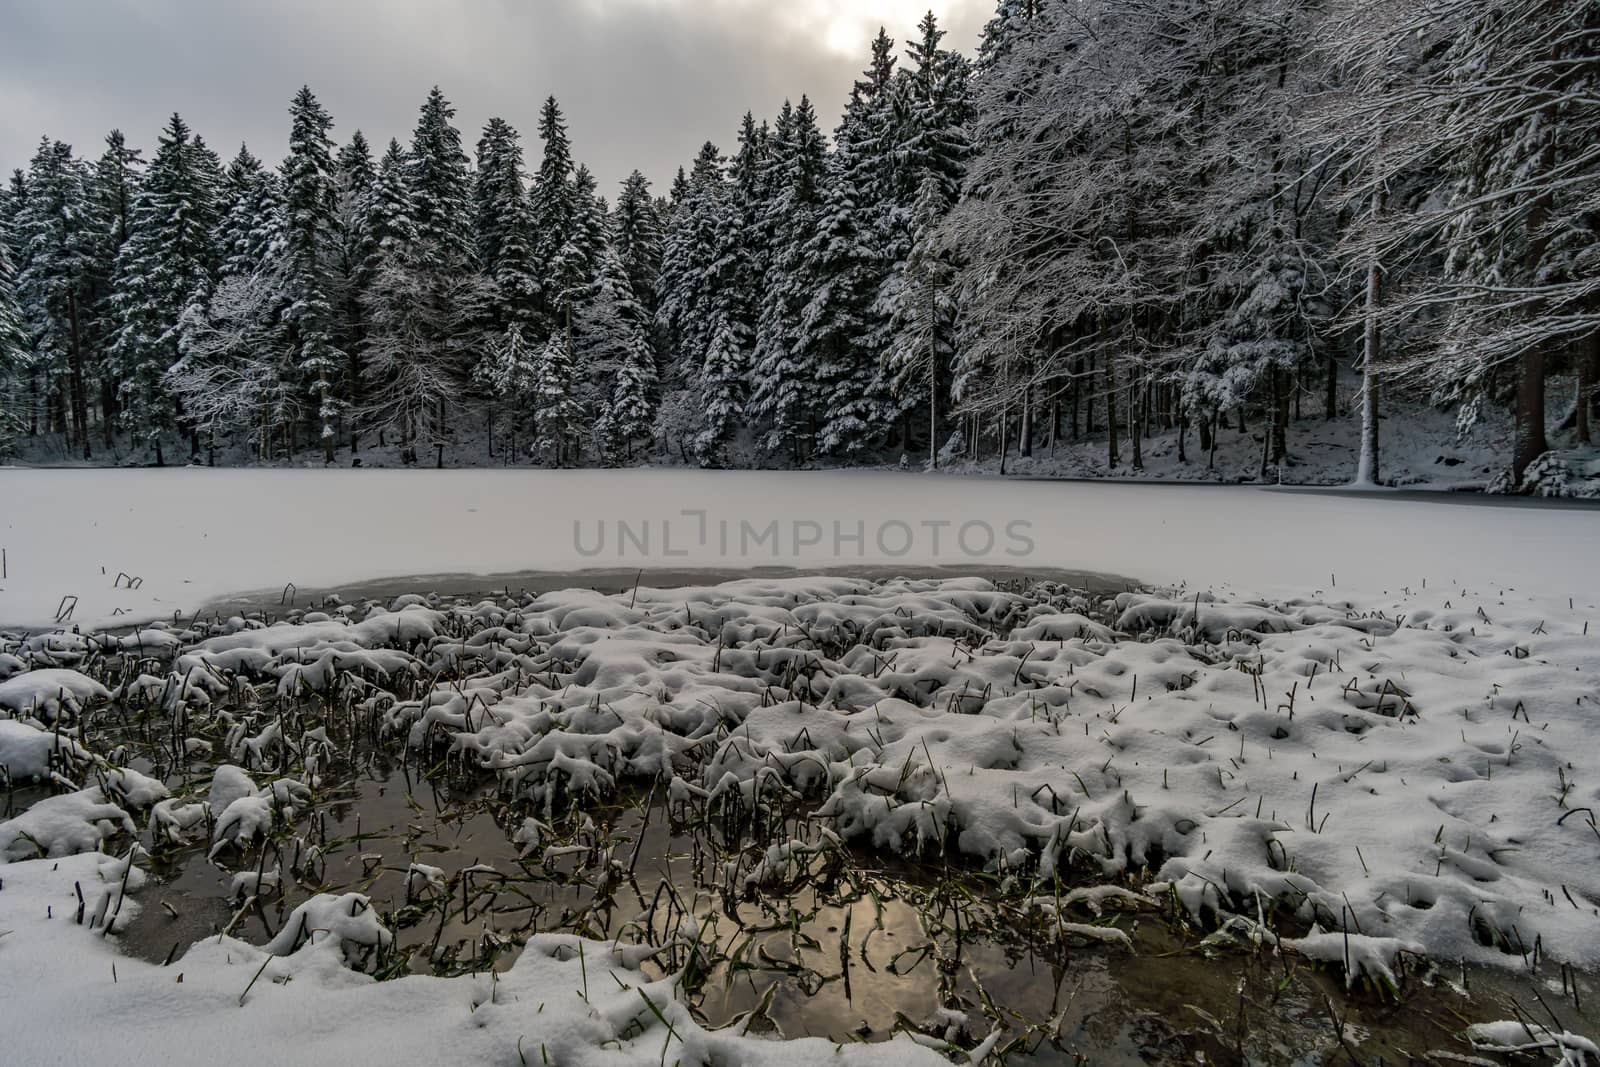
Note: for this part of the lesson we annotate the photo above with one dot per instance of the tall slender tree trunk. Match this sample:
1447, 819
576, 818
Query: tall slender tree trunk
1281, 388
1139, 414
80, 399
1005, 440
1531, 441
1025, 424
1077, 390
933, 379
1367, 468
1330, 402
1111, 412
108, 412
1588, 364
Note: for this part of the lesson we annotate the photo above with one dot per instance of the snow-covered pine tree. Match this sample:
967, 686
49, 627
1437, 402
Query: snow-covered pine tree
355, 261
505, 376
505, 228
56, 282
234, 372
617, 354
554, 394
752, 251
1001, 31
427, 303
390, 216
164, 267
688, 259
920, 302
112, 188
700, 305
884, 175
307, 254
784, 391
934, 142
843, 265
558, 256
636, 236
252, 215
563, 215
591, 224
722, 371
440, 187
679, 190
13, 347
355, 168
425, 321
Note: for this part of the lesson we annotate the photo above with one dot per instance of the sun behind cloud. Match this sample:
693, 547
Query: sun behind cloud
842, 27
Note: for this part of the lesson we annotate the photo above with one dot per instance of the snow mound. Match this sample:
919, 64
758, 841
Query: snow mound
1412, 774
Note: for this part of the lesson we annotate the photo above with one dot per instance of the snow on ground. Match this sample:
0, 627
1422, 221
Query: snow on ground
1349, 780
184, 537
1420, 447
1366, 720
71, 999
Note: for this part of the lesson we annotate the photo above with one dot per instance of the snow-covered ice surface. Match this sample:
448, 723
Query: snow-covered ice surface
185, 537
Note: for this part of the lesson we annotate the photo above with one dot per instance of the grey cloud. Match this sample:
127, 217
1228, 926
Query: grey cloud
643, 82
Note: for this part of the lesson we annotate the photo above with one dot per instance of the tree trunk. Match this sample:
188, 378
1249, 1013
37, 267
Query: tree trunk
108, 411
1088, 423
1588, 363
1368, 469
1005, 441
933, 386
325, 422
1139, 405
1025, 425
1330, 402
1530, 438
1077, 389
80, 399
1280, 422
1111, 412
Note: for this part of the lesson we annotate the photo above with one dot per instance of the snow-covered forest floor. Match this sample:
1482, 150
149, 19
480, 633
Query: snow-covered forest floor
1421, 449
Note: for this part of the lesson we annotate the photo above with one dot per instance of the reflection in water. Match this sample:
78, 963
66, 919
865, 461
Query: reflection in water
842, 944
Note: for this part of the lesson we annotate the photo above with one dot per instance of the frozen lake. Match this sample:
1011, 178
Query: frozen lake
185, 538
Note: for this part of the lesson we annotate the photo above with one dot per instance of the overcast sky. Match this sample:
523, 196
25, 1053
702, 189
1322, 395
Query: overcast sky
643, 82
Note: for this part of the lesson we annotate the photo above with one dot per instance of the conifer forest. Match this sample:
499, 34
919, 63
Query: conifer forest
1114, 219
